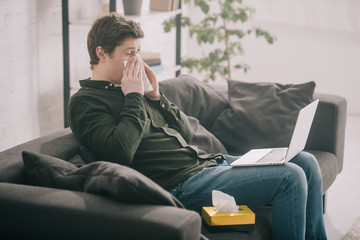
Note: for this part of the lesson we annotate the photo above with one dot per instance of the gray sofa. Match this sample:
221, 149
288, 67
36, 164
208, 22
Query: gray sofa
38, 212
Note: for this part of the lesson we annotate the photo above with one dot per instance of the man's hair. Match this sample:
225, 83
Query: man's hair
109, 31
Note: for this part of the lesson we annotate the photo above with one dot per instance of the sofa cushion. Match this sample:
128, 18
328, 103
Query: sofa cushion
87, 155
194, 98
203, 139
104, 178
260, 115
77, 160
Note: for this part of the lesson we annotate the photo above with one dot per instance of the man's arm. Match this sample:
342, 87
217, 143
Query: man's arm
96, 128
175, 117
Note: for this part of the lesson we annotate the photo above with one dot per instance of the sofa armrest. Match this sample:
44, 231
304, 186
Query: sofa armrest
61, 144
29, 212
328, 130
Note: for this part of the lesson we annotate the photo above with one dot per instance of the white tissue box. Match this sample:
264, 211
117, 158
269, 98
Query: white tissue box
242, 220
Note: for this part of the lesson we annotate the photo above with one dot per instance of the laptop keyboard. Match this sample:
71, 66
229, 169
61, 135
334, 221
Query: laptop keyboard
276, 155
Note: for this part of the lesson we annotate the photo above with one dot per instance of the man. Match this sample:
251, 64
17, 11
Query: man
113, 117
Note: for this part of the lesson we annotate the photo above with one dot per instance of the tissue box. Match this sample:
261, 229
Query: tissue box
242, 220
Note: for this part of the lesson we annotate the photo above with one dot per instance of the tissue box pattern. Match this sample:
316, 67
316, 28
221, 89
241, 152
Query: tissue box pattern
242, 217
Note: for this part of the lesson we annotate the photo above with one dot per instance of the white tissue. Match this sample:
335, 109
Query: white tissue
147, 85
224, 202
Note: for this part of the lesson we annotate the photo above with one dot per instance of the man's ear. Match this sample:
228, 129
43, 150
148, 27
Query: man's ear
100, 53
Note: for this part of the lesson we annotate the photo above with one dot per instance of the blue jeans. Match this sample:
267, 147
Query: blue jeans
294, 189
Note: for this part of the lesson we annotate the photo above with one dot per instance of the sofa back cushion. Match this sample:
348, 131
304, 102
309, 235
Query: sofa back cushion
261, 114
194, 98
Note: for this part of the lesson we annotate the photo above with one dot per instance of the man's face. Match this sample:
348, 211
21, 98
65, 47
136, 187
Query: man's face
114, 63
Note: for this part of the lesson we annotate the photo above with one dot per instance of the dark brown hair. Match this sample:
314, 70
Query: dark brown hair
109, 31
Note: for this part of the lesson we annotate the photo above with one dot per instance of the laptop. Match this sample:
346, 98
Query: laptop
279, 156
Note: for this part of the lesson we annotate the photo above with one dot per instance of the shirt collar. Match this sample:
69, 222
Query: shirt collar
97, 84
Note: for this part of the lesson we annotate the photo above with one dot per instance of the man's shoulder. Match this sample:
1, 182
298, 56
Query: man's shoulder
85, 97
90, 89
80, 95
92, 98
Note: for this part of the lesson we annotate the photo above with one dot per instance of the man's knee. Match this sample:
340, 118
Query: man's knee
295, 179
309, 164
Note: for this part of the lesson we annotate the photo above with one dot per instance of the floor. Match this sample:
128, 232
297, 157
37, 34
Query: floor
343, 203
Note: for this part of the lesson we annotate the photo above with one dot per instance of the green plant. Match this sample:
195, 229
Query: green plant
219, 23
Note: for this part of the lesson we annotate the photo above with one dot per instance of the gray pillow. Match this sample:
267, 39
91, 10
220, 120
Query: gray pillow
103, 178
87, 155
194, 98
261, 114
204, 140
77, 160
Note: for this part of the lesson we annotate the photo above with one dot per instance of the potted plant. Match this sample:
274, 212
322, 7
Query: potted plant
132, 7
219, 34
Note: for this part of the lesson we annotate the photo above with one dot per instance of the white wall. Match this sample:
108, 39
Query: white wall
317, 40
30, 70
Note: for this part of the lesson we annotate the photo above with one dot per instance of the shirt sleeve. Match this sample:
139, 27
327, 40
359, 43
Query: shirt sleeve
111, 140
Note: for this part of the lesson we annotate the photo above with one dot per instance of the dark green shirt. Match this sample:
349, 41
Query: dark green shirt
150, 136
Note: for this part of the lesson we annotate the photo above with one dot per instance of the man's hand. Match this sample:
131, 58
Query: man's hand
132, 78
153, 95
